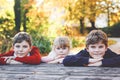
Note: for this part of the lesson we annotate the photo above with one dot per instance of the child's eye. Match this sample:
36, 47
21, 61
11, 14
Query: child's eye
92, 46
17, 46
100, 46
58, 48
64, 48
25, 46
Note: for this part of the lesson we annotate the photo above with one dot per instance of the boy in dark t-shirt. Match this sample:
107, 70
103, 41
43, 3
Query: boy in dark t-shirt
96, 52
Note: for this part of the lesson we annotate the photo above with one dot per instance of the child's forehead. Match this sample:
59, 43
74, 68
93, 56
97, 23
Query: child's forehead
98, 43
94, 41
61, 45
20, 41
61, 40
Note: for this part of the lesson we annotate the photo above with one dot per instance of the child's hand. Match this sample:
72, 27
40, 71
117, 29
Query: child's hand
60, 60
60, 56
15, 62
92, 60
46, 59
10, 60
95, 62
99, 63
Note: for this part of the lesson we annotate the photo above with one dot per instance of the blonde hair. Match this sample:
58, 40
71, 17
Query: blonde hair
96, 36
62, 41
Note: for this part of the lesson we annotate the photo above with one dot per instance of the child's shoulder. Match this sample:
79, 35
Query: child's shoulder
34, 47
109, 52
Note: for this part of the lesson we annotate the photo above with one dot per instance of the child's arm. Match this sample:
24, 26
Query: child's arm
80, 59
2, 61
3, 55
99, 63
34, 58
111, 59
14, 62
111, 62
60, 60
46, 59
9, 53
49, 57
95, 62
52, 59
60, 56
10, 60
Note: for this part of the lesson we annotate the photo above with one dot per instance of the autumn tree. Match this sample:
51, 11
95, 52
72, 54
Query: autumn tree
111, 8
24, 11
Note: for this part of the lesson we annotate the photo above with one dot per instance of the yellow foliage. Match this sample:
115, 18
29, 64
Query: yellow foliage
111, 42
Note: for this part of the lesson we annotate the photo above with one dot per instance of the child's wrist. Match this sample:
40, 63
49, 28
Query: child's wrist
100, 63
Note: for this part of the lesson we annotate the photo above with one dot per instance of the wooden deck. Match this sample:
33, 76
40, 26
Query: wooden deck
57, 72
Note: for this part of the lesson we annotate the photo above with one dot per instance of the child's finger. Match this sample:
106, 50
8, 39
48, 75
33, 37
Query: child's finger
8, 60
5, 58
91, 60
15, 62
95, 64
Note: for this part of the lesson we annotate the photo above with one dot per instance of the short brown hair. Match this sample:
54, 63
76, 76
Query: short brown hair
21, 36
96, 36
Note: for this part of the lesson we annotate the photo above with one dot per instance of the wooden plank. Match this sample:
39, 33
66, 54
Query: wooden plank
57, 72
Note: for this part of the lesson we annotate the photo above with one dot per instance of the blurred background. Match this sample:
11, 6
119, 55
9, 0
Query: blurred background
47, 19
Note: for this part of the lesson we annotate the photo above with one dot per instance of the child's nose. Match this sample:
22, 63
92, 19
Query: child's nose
96, 49
21, 49
61, 50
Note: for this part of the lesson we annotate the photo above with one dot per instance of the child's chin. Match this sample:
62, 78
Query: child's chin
20, 56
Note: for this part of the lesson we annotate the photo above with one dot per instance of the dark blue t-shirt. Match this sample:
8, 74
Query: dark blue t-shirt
111, 59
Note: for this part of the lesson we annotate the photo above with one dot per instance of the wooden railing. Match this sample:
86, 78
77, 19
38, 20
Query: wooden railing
57, 72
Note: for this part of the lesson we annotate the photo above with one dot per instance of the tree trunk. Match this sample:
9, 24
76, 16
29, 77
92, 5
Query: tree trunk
93, 24
82, 25
24, 20
17, 11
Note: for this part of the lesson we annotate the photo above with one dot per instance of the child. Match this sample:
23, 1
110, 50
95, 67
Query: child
96, 53
22, 51
60, 49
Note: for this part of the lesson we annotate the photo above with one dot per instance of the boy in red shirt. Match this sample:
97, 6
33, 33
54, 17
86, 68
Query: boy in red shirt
22, 51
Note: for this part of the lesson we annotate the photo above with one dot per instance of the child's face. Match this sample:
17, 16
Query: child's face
61, 50
21, 49
97, 50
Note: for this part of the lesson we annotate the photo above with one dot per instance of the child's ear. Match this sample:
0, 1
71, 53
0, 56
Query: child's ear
12, 46
87, 49
30, 48
106, 49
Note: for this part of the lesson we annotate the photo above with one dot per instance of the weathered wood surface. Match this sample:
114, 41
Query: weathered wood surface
57, 72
